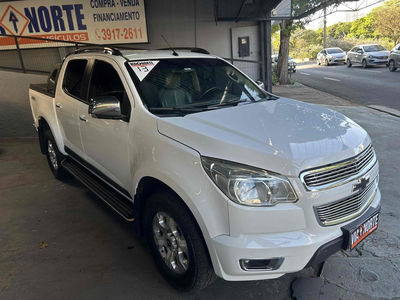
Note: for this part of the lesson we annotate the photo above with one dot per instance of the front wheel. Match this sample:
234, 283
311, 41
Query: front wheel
176, 243
54, 157
364, 64
326, 62
392, 66
349, 63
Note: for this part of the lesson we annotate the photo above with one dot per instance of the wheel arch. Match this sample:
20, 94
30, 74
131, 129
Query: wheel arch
149, 185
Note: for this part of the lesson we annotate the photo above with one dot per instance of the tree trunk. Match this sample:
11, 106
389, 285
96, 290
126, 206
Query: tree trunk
283, 56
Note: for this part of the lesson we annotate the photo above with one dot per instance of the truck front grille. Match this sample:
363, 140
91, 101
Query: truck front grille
346, 209
339, 173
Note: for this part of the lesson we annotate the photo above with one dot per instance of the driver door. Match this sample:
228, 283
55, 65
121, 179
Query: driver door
105, 141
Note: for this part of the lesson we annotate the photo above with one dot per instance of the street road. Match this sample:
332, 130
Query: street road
374, 85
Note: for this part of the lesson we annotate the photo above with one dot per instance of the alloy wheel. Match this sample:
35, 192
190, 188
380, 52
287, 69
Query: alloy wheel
392, 66
171, 243
52, 155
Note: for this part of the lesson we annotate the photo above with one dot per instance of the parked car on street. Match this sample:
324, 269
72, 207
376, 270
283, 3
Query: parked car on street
329, 56
394, 59
223, 178
367, 55
291, 63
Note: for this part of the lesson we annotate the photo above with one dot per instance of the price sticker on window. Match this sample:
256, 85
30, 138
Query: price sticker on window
143, 68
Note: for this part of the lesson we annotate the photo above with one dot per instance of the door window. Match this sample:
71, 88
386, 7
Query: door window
73, 77
106, 82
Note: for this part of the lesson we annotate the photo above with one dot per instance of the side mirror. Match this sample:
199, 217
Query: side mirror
260, 84
105, 107
360, 51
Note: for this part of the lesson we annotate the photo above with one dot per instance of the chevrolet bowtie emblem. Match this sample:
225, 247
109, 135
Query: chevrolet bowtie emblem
361, 184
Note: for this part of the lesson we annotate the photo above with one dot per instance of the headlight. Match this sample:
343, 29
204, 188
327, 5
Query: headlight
330, 56
247, 185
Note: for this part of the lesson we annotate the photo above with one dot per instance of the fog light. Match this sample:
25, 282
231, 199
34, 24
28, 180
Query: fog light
261, 264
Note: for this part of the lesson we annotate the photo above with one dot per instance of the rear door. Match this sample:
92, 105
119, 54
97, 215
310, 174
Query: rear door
70, 93
105, 140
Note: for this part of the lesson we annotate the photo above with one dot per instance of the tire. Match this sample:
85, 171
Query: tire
364, 64
54, 157
197, 272
294, 71
349, 63
327, 62
392, 66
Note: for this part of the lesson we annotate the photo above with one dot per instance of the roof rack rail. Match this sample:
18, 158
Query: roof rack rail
109, 50
192, 49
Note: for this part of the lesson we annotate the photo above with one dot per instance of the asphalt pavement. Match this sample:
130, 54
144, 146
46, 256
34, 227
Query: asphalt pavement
374, 85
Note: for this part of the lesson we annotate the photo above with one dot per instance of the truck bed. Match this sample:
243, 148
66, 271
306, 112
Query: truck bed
42, 88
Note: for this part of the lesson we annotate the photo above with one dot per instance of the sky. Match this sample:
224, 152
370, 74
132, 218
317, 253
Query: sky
345, 16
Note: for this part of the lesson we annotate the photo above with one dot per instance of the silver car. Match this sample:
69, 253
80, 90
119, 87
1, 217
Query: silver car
291, 64
368, 55
394, 58
330, 56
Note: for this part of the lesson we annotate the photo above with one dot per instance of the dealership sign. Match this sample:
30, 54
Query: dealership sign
89, 21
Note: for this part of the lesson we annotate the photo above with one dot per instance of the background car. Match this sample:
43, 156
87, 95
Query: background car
330, 56
368, 55
291, 64
394, 58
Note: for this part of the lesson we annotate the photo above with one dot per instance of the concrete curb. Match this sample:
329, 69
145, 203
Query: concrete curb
388, 110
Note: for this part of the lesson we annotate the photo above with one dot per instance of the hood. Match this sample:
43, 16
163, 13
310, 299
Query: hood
283, 136
379, 53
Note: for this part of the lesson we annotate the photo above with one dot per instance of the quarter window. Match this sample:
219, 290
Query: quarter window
74, 76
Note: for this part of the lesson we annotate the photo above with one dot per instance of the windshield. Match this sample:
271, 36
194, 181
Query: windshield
373, 48
333, 51
189, 83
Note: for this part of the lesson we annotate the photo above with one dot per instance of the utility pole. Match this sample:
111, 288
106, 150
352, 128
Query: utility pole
325, 27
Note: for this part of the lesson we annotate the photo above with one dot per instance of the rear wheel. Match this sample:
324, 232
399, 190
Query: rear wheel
392, 66
364, 64
176, 243
54, 157
349, 63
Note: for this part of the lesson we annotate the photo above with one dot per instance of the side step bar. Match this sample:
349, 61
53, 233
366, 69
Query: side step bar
118, 202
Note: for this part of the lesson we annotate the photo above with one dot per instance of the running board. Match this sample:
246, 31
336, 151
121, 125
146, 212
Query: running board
115, 200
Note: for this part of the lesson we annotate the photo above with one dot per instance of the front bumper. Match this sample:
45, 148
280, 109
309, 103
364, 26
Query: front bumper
297, 247
377, 62
337, 60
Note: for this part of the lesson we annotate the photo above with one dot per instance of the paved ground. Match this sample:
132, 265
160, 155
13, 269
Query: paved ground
93, 254
375, 85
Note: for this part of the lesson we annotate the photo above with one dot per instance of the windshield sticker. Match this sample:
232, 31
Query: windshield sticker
143, 68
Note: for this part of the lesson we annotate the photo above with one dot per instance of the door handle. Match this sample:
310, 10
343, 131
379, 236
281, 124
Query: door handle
83, 118
58, 105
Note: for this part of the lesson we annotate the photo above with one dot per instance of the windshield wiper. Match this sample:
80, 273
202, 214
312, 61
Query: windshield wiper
178, 109
227, 103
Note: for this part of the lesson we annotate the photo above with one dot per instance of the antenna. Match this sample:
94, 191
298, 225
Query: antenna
173, 51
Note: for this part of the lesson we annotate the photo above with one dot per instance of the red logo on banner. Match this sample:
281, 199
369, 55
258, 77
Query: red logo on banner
13, 21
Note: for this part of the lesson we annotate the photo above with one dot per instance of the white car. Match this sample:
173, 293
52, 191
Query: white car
329, 56
223, 178
368, 55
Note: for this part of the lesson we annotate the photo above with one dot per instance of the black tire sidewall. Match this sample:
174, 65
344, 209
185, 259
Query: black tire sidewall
394, 66
364, 64
59, 173
349, 63
154, 205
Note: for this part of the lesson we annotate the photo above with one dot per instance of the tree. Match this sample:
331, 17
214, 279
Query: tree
282, 70
387, 22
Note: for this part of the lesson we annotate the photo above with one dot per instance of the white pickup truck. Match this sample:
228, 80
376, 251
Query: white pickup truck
223, 178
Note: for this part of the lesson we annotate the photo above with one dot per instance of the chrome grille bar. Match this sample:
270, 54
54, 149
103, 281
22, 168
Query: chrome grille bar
346, 209
340, 173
